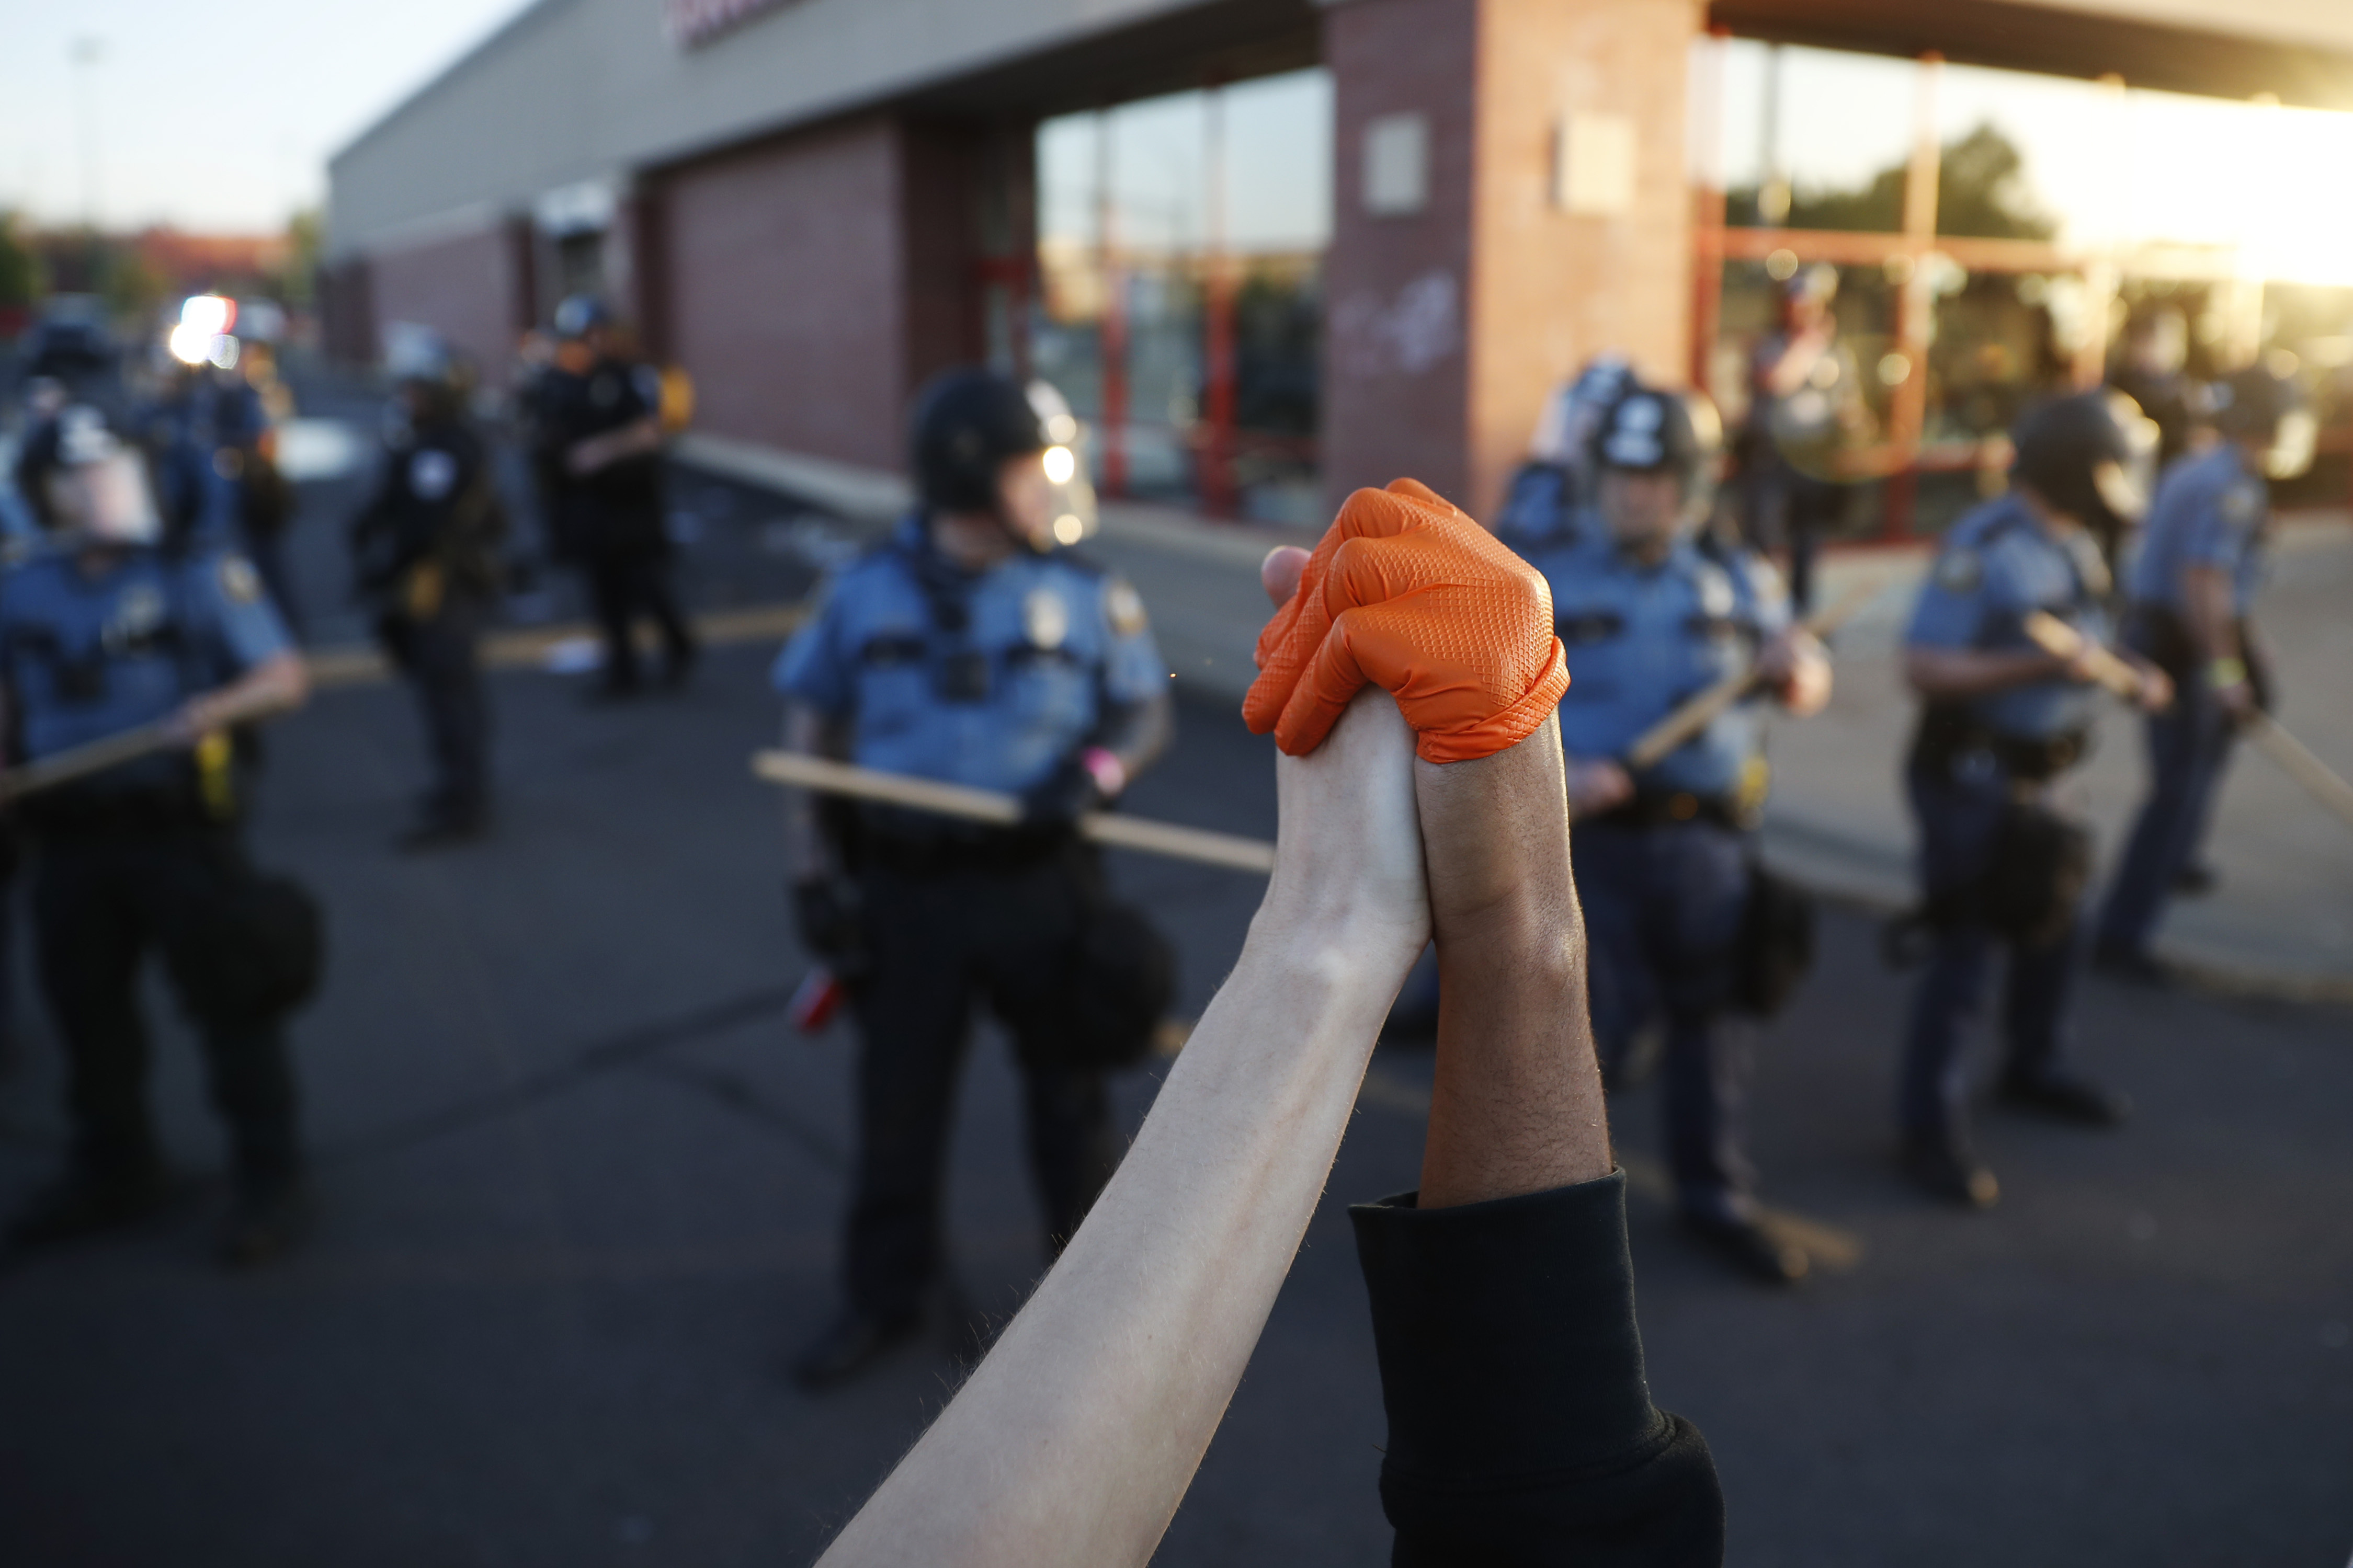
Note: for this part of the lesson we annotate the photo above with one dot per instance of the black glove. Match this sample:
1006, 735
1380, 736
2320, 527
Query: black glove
1061, 797
824, 910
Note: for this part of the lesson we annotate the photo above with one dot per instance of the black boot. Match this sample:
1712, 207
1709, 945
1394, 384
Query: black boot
849, 1345
268, 1218
2131, 965
1749, 1245
2065, 1097
1942, 1170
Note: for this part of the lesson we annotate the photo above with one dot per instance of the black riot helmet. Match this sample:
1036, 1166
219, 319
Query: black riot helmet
80, 476
2077, 455
1649, 429
966, 424
2252, 402
579, 314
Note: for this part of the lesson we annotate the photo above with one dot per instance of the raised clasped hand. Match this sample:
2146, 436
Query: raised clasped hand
1407, 593
1348, 845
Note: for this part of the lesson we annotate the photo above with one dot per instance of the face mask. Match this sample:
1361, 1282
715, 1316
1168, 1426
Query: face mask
107, 501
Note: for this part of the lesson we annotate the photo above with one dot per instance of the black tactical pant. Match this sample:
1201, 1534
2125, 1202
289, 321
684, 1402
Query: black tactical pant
939, 941
439, 656
99, 903
627, 582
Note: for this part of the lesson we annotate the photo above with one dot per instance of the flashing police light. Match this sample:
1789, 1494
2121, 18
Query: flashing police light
202, 332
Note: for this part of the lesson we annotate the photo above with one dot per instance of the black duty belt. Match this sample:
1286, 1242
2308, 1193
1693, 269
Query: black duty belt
1949, 732
1004, 850
1669, 808
82, 814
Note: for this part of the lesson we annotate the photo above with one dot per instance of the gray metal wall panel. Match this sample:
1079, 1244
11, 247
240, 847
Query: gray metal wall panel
581, 89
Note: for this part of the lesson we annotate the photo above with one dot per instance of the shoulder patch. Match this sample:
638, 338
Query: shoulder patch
2240, 504
238, 579
1960, 571
1124, 607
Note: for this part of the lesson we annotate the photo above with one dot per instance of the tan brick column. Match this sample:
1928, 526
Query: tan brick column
1511, 198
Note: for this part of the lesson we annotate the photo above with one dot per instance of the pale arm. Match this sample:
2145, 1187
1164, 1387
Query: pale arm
277, 685
631, 440
1076, 1438
2211, 609
809, 732
1972, 672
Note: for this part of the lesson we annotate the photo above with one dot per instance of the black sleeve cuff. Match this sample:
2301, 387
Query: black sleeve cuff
1521, 1428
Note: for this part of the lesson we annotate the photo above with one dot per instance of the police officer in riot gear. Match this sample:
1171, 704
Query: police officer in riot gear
967, 649
1651, 613
601, 426
112, 626
1551, 496
2188, 592
424, 549
2002, 722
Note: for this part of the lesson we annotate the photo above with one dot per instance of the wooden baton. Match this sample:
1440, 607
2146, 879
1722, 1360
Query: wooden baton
830, 777
80, 762
2265, 734
2060, 640
1696, 713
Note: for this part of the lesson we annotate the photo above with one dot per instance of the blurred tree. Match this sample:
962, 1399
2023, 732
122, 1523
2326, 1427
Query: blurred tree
1979, 194
130, 281
297, 283
22, 279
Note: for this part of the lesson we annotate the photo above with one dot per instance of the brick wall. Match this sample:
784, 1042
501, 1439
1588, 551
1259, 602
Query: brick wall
464, 288
1395, 367
1445, 329
1550, 289
786, 288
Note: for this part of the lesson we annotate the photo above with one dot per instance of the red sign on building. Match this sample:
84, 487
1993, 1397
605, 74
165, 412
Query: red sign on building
690, 23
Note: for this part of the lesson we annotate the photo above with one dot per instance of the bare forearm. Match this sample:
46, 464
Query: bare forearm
275, 685
1077, 1437
806, 731
629, 441
1972, 672
1117, 1372
1138, 732
2212, 612
1516, 1104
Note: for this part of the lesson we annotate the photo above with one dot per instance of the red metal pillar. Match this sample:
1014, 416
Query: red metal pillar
1112, 335
1220, 494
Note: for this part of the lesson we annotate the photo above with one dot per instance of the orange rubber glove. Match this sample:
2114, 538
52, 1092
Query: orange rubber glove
1409, 594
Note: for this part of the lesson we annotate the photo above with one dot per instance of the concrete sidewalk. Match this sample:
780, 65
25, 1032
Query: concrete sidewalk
2280, 922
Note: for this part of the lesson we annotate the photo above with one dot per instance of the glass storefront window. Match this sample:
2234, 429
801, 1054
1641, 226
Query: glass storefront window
1180, 256
2073, 218
1806, 134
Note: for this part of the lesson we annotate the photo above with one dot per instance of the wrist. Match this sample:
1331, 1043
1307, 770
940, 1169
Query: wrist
1108, 772
1361, 944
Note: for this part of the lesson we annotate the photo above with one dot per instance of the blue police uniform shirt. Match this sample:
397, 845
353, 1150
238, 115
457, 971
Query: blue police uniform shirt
1057, 641
85, 658
1642, 639
1998, 565
2209, 511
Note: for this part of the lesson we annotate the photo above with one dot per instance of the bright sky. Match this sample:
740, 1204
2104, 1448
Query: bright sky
2114, 167
209, 115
